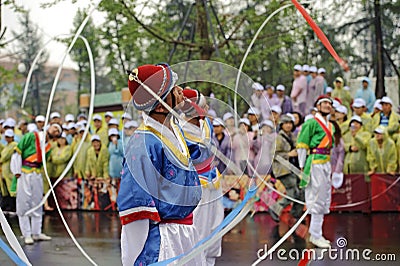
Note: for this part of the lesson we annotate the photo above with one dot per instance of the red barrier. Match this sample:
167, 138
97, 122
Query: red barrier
385, 193
353, 195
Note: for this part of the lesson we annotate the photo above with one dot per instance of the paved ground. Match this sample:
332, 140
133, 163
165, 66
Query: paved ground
98, 233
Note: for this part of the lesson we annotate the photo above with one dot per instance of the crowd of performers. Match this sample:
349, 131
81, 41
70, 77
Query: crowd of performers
163, 177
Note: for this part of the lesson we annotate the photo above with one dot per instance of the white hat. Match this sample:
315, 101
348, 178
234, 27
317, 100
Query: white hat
113, 131
32, 127
71, 125
347, 88
379, 130
9, 123
212, 113
386, 99
1, 121
245, 121
306, 68
81, 128
335, 104
253, 111
108, 113
55, 115
321, 70
329, 89
9, 133
81, 115
113, 121
69, 118
280, 87
291, 116
95, 137
218, 122
97, 117
337, 179
227, 116
359, 102
65, 126
130, 124
342, 109
64, 135
268, 123
298, 68
257, 86
277, 109
126, 116
313, 69
356, 118
378, 104
308, 117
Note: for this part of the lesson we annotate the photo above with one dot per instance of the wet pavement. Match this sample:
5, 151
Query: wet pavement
98, 233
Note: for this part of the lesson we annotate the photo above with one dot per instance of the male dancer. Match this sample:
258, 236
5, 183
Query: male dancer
159, 187
316, 136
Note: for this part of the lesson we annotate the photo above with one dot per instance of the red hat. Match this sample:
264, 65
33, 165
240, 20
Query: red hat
323, 98
159, 78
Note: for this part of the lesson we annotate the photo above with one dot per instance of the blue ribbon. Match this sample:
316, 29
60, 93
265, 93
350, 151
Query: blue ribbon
11, 254
228, 219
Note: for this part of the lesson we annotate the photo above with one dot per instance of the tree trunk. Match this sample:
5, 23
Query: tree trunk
380, 66
202, 28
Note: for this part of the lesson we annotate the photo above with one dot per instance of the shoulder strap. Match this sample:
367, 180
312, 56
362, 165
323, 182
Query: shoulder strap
292, 146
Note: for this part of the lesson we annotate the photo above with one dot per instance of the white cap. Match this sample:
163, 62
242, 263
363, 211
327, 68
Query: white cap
40, 118
227, 116
218, 122
130, 124
321, 70
257, 86
95, 137
212, 113
356, 118
113, 121
277, 109
378, 104
81, 115
71, 125
280, 87
1, 121
253, 111
81, 128
97, 117
9, 123
245, 121
55, 115
268, 123
297, 68
9, 133
69, 118
65, 126
384, 99
379, 130
347, 88
126, 116
64, 135
313, 69
32, 127
359, 102
113, 131
108, 113
329, 89
306, 68
342, 109
308, 117
335, 104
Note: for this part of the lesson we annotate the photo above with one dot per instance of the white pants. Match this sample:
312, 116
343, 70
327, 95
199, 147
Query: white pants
206, 217
318, 190
29, 195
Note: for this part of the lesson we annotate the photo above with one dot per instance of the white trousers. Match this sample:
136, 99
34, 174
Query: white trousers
29, 195
206, 217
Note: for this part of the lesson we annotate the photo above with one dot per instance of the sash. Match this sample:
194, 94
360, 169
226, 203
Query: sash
326, 142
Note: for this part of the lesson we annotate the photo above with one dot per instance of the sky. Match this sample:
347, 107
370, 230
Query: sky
51, 21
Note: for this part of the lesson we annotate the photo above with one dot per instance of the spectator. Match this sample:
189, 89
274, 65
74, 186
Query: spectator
126, 117
285, 101
299, 90
306, 73
55, 118
253, 114
257, 98
329, 91
312, 93
298, 121
286, 148
271, 99
39, 120
229, 121
276, 111
241, 146
341, 119
356, 142
99, 129
263, 147
60, 156
80, 161
97, 159
69, 118
387, 117
320, 82
23, 126
366, 93
8, 195
341, 93
108, 116
9, 123
382, 153
129, 129
359, 107
116, 154
337, 156
71, 132
377, 108
222, 142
